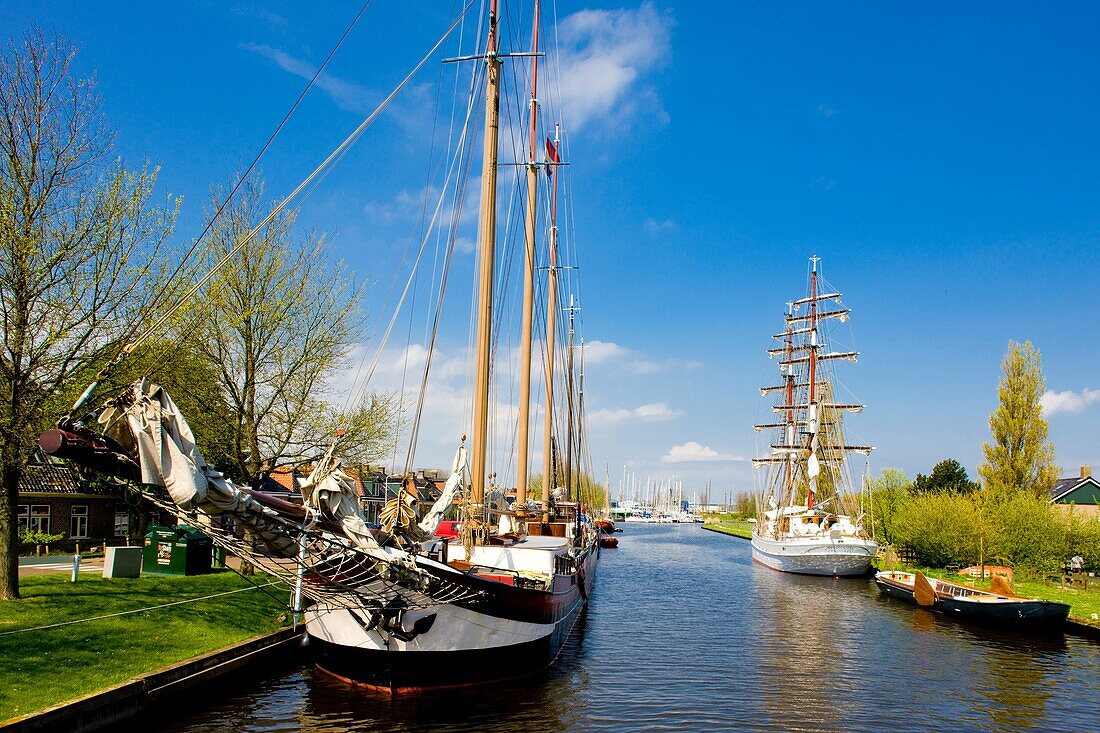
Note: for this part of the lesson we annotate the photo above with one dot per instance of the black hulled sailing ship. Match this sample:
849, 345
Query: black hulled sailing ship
395, 608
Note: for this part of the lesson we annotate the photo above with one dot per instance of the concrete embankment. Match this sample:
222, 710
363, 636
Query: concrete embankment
106, 709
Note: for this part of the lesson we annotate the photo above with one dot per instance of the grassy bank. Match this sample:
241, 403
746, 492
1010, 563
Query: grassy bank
1082, 603
737, 529
49, 666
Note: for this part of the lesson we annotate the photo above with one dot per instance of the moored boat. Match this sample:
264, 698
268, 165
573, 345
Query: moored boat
997, 606
809, 519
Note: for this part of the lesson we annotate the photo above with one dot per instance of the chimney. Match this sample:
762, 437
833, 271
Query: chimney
1086, 471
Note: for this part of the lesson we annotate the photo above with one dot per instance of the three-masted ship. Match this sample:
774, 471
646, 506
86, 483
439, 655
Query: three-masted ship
808, 518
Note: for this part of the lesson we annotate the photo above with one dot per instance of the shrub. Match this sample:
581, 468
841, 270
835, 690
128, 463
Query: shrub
1027, 533
34, 537
1083, 538
941, 528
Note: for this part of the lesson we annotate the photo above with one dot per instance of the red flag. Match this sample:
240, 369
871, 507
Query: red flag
551, 156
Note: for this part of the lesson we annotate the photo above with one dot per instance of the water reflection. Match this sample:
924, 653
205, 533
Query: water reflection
684, 633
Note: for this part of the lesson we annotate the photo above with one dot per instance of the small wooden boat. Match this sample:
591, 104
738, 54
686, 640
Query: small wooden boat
998, 605
608, 542
606, 525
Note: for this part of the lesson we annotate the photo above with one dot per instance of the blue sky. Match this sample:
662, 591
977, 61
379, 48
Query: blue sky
941, 159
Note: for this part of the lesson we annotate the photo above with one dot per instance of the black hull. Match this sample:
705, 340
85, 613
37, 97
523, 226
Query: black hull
402, 670
412, 671
1029, 614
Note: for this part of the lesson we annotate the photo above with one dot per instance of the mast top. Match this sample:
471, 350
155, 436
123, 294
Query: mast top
814, 260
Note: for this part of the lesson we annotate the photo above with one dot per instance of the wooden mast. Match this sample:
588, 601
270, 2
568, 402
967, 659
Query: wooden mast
788, 431
569, 410
487, 255
551, 328
524, 430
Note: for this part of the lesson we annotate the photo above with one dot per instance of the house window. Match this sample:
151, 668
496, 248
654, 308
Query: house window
122, 524
78, 522
34, 518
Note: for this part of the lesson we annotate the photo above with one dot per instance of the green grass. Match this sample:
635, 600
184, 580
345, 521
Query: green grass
42, 668
737, 529
1082, 603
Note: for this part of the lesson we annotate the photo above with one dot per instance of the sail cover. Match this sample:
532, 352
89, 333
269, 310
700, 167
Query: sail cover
456, 483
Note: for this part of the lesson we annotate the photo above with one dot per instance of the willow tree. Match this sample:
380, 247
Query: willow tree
1020, 458
79, 234
277, 324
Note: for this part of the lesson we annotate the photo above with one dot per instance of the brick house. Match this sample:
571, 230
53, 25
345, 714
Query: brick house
55, 499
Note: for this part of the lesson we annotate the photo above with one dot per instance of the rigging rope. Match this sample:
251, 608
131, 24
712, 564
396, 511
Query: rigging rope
318, 171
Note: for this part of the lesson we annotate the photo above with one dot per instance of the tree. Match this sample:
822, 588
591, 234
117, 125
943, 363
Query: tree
887, 492
276, 325
1020, 458
79, 237
947, 475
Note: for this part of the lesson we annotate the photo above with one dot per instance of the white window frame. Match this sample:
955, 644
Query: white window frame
124, 525
40, 521
78, 521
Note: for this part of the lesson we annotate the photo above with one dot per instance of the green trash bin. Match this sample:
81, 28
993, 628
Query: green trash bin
176, 551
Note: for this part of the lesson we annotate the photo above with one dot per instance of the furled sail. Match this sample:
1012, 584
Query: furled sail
849, 355
456, 484
818, 298
847, 407
841, 315
146, 419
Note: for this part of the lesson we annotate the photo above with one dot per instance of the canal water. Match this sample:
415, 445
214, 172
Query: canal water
685, 633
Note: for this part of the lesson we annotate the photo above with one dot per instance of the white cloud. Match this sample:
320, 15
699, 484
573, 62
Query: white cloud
347, 95
653, 227
1068, 401
609, 353
654, 412
412, 206
826, 111
604, 55
692, 452
601, 352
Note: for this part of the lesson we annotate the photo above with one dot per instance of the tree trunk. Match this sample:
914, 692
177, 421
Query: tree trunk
9, 534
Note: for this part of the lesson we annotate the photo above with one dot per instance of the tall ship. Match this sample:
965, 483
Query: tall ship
809, 517
404, 606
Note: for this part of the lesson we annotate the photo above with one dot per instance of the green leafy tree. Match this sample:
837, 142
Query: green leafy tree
1020, 458
276, 326
947, 475
886, 492
79, 236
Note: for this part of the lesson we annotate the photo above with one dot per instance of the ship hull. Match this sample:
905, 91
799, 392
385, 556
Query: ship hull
847, 556
510, 633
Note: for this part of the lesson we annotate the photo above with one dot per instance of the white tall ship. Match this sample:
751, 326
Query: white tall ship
809, 519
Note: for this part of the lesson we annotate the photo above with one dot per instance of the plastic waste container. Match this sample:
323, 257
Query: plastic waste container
176, 551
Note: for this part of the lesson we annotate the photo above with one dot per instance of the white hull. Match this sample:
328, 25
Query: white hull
815, 556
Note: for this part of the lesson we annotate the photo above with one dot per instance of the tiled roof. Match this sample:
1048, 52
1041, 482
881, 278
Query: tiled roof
51, 478
1063, 485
